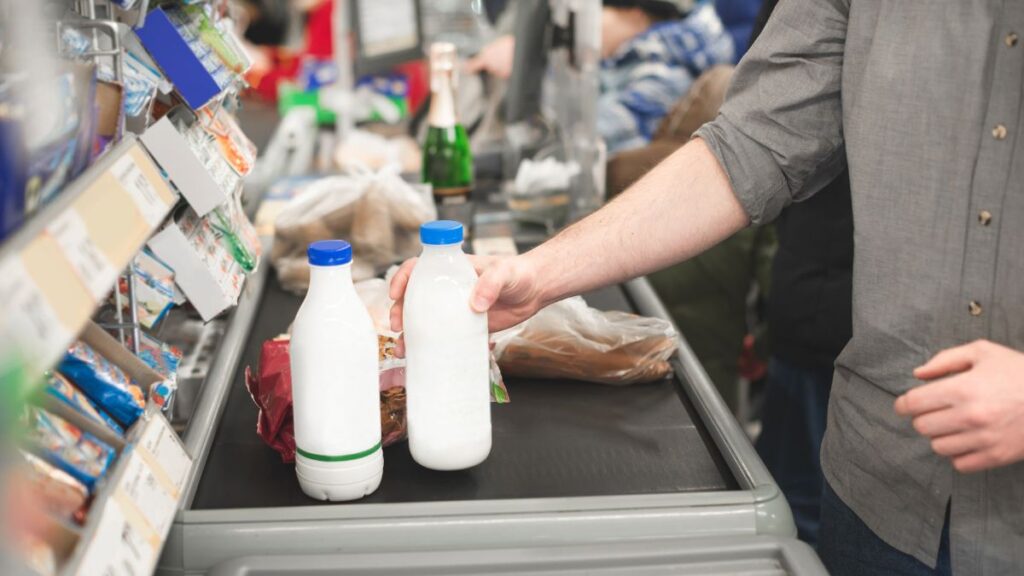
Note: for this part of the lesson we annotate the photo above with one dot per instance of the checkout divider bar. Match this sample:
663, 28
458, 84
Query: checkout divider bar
202, 427
725, 430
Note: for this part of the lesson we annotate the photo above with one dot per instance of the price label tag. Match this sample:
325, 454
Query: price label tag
162, 443
29, 320
89, 262
118, 547
142, 487
147, 199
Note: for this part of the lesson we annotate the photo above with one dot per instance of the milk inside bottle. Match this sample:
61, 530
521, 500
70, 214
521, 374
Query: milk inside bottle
335, 382
447, 356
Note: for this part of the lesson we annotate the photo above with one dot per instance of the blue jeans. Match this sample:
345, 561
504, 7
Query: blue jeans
849, 548
793, 425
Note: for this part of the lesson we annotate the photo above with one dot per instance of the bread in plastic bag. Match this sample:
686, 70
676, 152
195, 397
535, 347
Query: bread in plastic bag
572, 340
377, 212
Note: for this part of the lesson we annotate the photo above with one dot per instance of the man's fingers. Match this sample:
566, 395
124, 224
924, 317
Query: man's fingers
975, 462
929, 397
489, 287
474, 65
948, 362
397, 318
960, 444
941, 423
401, 279
400, 347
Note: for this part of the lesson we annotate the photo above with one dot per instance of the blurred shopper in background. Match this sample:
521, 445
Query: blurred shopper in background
652, 52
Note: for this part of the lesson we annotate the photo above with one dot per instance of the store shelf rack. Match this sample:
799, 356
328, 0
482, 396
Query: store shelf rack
57, 268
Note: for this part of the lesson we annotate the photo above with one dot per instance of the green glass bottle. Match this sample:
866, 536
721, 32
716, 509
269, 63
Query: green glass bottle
447, 159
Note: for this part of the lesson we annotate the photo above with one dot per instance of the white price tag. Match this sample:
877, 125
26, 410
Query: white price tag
29, 319
162, 443
89, 262
143, 488
118, 548
148, 200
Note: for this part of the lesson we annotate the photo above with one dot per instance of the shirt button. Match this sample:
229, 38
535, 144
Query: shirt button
999, 132
1011, 39
974, 308
985, 217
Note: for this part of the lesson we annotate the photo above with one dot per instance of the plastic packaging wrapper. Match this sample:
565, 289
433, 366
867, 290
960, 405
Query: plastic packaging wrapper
271, 385
65, 446
60, 388
104, 383
164, 359
57, 491
571, 340
379, 213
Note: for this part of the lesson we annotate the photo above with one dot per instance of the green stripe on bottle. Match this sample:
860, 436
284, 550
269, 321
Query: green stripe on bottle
343, 458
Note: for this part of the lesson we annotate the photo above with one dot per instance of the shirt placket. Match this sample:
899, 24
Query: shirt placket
991, 176
989, 188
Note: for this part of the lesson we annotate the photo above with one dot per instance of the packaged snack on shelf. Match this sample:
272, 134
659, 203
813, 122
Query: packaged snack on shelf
65, 446
204, 268
236, 148
60, 494
237, 234
154, 289
164, 359
140, 84
60, 388
104, 383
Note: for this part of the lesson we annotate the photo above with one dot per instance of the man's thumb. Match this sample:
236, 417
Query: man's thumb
488, 288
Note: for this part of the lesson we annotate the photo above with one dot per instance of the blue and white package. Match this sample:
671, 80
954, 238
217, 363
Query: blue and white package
65, 446
104, 383
60, 388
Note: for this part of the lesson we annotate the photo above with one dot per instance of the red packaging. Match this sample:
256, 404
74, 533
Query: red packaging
271, 390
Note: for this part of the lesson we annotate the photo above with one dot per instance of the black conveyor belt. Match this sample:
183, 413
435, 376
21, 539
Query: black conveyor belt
555, 439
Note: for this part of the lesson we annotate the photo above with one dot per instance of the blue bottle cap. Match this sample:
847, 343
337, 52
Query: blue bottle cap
441, 233
329, 253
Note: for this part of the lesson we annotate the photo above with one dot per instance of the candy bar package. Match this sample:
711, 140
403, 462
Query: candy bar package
104, 383
60, 388
154, 289
65, 446
164, 359
57, 491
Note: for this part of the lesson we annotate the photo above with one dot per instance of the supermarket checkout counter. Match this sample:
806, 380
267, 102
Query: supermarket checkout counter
582, 477
574, 465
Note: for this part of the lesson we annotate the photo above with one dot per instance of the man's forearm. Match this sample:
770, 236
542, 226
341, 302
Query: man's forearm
681, 208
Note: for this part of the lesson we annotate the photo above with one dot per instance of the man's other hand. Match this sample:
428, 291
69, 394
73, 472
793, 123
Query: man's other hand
972, 407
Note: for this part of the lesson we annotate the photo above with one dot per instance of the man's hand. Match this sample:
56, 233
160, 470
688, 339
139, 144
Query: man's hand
973, 406
496, 58
508, 290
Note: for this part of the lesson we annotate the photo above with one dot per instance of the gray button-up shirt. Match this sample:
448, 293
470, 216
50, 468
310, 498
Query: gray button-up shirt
922, 99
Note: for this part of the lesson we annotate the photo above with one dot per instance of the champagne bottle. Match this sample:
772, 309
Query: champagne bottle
447, 160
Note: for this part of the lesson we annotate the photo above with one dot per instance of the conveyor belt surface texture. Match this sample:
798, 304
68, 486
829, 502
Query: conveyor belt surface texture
556, 439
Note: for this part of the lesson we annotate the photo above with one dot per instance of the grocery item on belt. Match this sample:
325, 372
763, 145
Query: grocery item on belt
65, 446
378, 211
104, 383
571, 340
57, 491
60, 388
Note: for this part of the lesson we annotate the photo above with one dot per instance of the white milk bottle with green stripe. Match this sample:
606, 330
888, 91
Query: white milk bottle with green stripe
447, 372
335, 382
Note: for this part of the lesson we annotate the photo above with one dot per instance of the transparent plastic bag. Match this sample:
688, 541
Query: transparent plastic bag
572, 340
377, 212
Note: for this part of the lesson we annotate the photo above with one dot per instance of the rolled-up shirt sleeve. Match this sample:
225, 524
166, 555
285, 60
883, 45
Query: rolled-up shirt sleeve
779, 134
